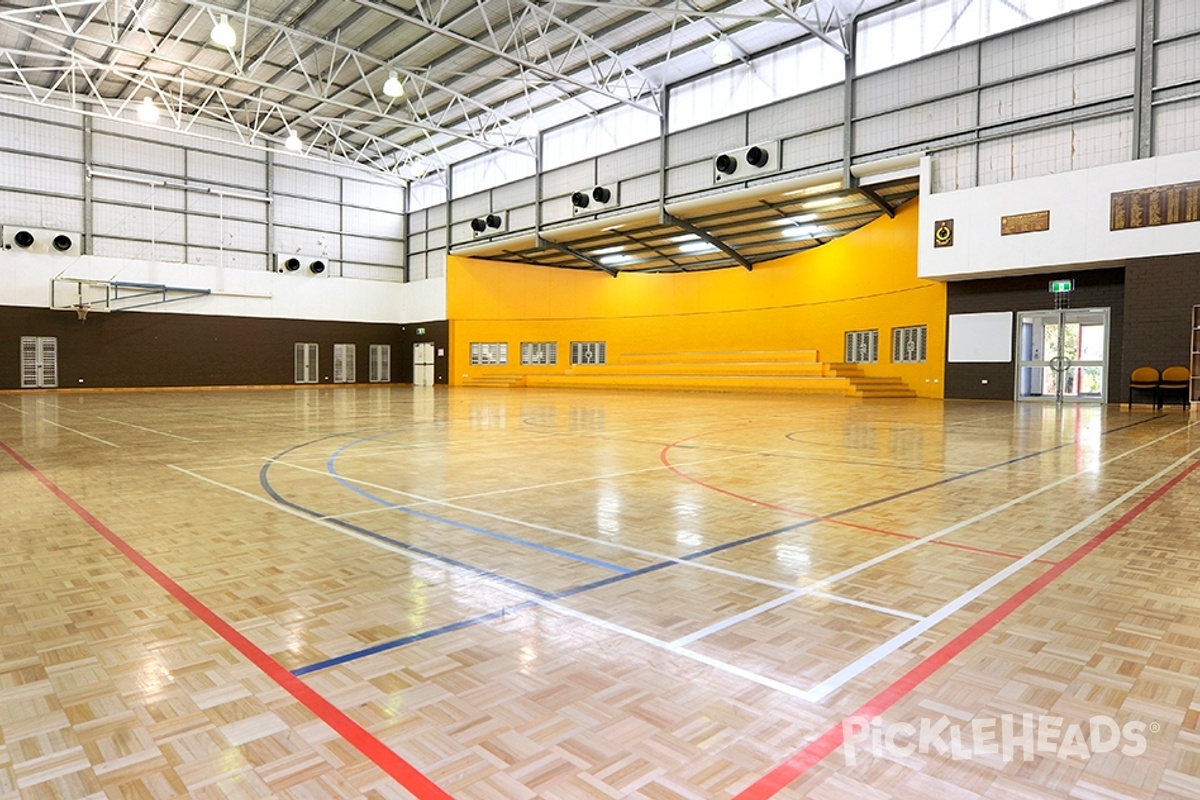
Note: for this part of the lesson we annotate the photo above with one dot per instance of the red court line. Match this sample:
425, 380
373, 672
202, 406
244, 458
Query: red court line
796, 766
662, 456
362, 740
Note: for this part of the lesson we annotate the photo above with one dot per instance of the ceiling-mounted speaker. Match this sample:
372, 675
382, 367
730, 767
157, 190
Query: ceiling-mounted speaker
37, 240
747, 162
590, 201
316, 267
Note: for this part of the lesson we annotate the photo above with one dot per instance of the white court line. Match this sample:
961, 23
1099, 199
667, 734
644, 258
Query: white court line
787, 587
505, 588
674, 647
529, 487
81, 433
716, 627
58, 407
851, 671
849, 601
14, 408
148, 430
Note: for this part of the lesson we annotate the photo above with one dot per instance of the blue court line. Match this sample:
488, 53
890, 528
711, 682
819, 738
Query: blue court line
331, 468
390, 645
265, 482
467, 623
383, 647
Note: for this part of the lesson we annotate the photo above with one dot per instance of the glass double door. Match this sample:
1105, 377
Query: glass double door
1062, 355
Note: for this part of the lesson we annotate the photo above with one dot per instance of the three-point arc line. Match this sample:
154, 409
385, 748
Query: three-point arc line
423, 788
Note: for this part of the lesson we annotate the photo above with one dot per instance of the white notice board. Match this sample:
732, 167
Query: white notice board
986, 337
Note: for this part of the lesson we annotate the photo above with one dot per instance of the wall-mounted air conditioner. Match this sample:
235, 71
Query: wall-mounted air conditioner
17, 238
300, 264
747, 162
598, 198
490, 223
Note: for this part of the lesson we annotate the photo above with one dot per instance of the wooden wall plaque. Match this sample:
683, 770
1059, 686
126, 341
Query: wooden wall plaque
1155, 205
1025, 223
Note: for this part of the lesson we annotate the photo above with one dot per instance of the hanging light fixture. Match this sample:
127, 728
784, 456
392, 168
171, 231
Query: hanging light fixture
293, 142
392, 87
147, 111
722, 52
223, 33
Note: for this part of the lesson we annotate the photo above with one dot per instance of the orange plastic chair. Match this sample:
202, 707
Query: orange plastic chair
1144, 379
1175, 379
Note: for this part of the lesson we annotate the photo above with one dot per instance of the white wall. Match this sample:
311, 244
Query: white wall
236, 292
158, 194
1079, 203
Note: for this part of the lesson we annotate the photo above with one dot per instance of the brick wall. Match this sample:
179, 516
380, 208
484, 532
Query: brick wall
1159, 296
1101, 288
134, 349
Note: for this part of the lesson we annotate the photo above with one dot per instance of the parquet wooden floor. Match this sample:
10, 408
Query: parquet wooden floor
391, 592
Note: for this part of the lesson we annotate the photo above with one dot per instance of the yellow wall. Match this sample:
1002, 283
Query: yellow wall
866, 279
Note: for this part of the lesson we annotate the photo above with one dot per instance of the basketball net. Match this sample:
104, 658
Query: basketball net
82, 312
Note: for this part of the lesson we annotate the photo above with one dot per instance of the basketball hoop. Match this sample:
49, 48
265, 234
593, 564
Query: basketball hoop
82, 311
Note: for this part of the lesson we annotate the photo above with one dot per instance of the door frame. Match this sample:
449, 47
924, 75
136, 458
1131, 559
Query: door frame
1061, 364
418, 364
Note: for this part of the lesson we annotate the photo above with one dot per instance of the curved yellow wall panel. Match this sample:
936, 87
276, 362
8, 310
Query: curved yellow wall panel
864, 280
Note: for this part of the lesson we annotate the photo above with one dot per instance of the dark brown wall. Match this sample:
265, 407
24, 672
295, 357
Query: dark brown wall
1093, 289
1159, 295
131, 349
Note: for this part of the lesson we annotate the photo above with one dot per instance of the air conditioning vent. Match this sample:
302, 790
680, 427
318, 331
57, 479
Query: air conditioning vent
489, 224
747, 162
590, 201
295, 263
40, 240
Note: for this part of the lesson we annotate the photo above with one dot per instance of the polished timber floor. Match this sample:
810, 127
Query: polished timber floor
393, 592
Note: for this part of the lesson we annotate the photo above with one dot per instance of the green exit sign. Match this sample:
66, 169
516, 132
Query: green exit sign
1062, 286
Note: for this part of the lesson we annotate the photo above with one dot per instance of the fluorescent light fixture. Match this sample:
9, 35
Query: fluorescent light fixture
615, 258
722, 52
819, 189
147, 111
392, 87
604, 251
822, 202
800, 231
798, 220
223, 33
293, 142
687, 237
697, 247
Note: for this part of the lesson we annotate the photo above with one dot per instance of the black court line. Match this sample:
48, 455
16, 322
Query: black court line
880, 501
393, 644
265, 482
